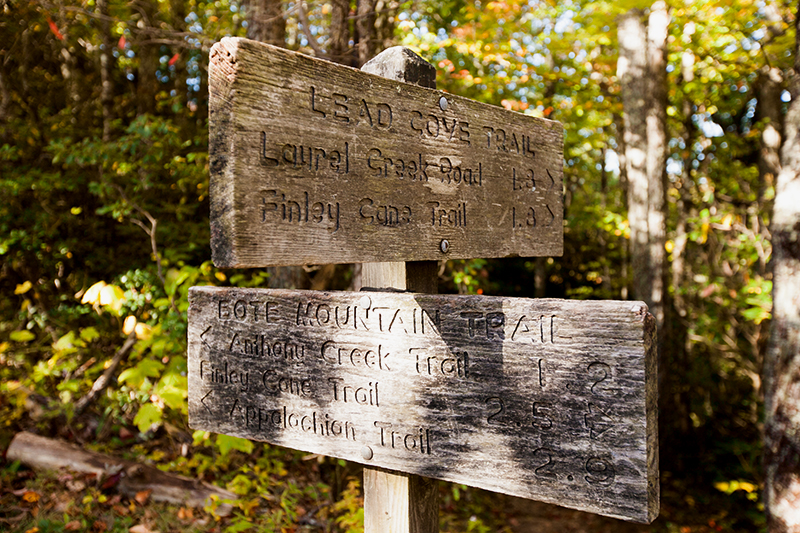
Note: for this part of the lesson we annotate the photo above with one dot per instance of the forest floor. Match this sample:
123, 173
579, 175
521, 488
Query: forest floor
36, 503
528, 516
297, 498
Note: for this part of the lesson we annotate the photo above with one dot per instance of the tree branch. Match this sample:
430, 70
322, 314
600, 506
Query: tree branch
103, 381
151, 232
312, 41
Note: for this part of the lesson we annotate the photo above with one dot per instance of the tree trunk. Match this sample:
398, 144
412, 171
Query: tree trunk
657, 26
769, 88
643, 77
365, 22
632, 73
69, 70
339, 48
43, 454
106, 86
782, 362
265, 22
147, 82
178, 12
5, 97
625, 290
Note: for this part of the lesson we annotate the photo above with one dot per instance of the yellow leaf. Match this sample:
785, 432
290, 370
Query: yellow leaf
669, 246
142, 496
129, 324
30, 496
143, 331
23, 288
748, 487
112, 296
220, 276
92, 295
727, 221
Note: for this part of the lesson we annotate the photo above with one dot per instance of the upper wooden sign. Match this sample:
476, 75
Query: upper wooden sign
552, 400
313, 162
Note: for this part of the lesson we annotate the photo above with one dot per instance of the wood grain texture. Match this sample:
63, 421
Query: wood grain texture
399, 503
552, 400
313, 162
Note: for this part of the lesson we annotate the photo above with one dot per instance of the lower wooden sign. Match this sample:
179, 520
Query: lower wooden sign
552, 400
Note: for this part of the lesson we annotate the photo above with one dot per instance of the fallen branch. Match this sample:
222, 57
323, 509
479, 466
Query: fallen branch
41, 453
102, 382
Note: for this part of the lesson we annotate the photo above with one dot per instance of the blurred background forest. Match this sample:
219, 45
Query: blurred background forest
104, 226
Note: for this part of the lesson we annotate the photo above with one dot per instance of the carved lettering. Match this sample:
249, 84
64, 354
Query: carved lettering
418, 440
451, 365
383, 215
321, 424
334, 354
276, 207
524, 181
434, 127
345, 393
545, 470
493, 323
276, 383
456, 175
223, 374
498, 409
453, 217
499, 139
599, 471
347, 109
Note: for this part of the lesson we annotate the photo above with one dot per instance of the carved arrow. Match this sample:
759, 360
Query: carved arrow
202, 336
552, 215
203, 401
597, 421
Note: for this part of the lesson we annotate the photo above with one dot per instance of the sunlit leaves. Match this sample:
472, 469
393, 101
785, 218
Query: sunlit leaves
148, 415
21, 336
22, 288
227, 443
136, 375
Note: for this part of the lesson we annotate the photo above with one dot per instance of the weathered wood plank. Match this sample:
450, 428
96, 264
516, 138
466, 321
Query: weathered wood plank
313, 162
552, 400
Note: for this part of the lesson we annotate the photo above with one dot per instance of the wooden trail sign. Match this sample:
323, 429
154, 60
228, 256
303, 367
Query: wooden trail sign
552, 400
313, 162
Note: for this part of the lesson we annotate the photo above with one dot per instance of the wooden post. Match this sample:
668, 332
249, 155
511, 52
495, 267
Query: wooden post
395, 502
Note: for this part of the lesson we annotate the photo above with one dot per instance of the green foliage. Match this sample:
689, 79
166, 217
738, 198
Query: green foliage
350, 508
226, 443
104, 225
